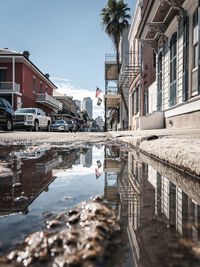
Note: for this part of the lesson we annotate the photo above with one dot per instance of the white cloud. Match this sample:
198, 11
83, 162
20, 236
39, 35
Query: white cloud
60, 79
66, 87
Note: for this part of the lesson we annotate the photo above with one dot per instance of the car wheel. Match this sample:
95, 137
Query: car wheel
36, 126
48, 127
8, 126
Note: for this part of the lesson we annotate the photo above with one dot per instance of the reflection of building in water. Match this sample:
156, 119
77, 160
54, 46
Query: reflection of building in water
112, 169
78, 161
69, 157
162, 201
86, 158
30, 153
177, 200
29, 178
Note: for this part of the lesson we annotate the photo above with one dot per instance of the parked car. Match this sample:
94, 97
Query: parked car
59, 125
31, 118
6, 114
72, 126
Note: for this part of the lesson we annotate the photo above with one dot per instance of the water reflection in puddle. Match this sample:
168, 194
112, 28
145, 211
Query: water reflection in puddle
157, 206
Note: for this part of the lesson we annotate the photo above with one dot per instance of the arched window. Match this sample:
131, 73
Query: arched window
173, 64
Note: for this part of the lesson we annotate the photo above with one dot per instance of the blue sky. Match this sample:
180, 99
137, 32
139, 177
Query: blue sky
64, 38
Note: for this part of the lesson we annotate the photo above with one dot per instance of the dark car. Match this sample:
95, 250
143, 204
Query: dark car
59, 126
6, 114
72, 126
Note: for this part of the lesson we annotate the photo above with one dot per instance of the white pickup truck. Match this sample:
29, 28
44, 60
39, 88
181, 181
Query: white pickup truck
31, 118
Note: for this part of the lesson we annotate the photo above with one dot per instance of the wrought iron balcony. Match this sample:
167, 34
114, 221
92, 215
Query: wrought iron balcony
111, 72
112, 97
128, 74
112, 90
110, 58
49, 101
9, 87
112, 165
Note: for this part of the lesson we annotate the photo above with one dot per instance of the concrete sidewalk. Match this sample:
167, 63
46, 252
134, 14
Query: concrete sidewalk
178, 147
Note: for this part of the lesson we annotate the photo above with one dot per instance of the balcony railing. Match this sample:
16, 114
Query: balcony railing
112, 90
49, 101
128, 74
8, 87
110, 58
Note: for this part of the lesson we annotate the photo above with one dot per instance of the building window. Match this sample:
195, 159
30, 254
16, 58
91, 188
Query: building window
173, 65
195, 40
154, 59
159, 94
146, 102
41, 88
2, 75
135, 101
34, 84
132, 102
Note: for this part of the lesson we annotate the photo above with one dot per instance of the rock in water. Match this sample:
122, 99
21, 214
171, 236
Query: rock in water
78, 237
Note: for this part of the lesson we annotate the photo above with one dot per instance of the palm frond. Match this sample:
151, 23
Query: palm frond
115, 19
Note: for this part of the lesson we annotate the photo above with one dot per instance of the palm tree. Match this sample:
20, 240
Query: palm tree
115, 20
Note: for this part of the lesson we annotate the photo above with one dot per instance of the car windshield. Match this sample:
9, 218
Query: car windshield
7, 104
58, 122
26, 110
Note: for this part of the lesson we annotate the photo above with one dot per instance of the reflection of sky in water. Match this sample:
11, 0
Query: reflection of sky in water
70, 187
78, 186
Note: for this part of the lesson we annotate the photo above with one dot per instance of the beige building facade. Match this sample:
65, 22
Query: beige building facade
172, 29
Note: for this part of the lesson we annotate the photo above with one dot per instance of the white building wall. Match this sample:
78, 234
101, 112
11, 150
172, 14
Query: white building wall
165, 196
134, 57
180, 70
152, 176
152, 97
179, 213
183, 112
165, 75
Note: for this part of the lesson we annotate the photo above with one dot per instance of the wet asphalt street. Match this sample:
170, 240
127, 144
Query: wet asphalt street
180, 148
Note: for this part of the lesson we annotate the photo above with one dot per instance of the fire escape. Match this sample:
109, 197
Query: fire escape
114, 84
112, 96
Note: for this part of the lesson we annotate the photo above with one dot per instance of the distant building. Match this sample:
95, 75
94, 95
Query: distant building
69, 107
78, 103
87, 158
23, 84
100, 122
87, 105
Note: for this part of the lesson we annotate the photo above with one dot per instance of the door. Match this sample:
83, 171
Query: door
173, 64
41, 117
2, 77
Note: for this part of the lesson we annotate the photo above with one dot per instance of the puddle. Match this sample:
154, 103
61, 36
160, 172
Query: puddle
158, 206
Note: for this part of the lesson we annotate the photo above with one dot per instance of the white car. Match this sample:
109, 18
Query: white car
59, 126
32, 118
